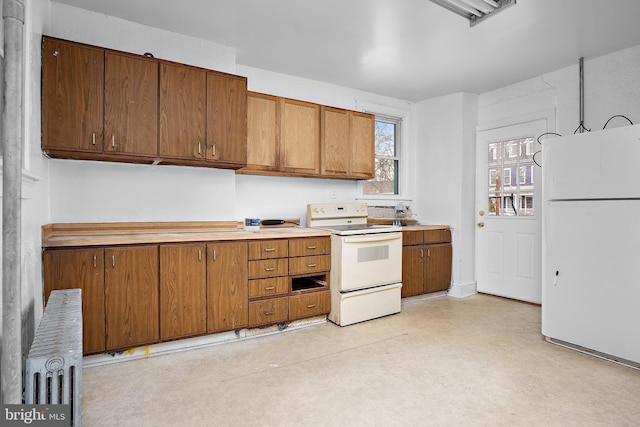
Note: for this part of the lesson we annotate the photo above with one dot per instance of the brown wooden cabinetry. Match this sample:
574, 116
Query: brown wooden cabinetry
98, 104
131, 296
72, 97
139, 294
80, 268
226, 119
131, 105
299, 137
263, 132
101, 104
289, 279
426, 261
227, 286
347, 143
183, 290
119, 292
183, 104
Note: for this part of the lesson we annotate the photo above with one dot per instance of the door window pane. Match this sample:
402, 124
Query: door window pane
510, 168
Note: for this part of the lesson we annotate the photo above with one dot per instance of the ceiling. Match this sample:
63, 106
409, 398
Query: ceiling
407, 49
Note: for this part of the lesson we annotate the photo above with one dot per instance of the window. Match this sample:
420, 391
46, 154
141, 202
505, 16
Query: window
511, 177
387, 157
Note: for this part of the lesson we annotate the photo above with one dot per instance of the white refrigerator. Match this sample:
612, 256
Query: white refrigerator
591, 243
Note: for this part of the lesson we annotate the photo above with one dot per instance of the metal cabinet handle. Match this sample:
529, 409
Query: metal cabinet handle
312, 247
113, 260
269, 268
199, 148
213, 149
95, 262
311, 265
269, 313
310, 305
428, 252
214, 254
269, 288
269, 249
113, 141
93, 138
421, 253
199, 254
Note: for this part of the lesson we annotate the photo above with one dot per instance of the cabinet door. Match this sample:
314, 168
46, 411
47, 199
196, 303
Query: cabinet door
182, 112
412, 271
183, 290
227, 119
300, 137
263, 131
227, 286
131, 296
72, 96
335, 141
84, 269
362, 140
437, 267
131, 105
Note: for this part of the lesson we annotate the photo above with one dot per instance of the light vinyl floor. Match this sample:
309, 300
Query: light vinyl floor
478, 361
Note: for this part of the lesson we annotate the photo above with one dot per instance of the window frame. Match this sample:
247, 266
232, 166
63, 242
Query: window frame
403, 153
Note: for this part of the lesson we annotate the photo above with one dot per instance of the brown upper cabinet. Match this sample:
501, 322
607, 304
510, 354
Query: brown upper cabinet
347, 143
299, 137
263, 132
290, 137
183, 114
97, 104
72, 97
202, 117
100, 104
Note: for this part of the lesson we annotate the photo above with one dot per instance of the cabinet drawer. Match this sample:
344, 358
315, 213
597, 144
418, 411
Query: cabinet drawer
268, 287
270, 311
412, 237
309, 305
310, 246
267, 249
309, 264
268, 268
437, 236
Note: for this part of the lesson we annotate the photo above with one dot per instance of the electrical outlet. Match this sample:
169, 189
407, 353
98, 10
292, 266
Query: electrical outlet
333, 194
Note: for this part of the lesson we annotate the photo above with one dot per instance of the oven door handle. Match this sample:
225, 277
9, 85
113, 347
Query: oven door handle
380, 237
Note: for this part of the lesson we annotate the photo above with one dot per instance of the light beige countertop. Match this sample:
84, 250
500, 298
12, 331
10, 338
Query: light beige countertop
419, 227
106, 234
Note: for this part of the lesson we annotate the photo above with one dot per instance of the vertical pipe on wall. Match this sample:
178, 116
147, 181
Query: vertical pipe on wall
13, 19
581, 94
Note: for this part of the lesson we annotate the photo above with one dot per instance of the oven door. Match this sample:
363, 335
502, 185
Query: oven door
367, 260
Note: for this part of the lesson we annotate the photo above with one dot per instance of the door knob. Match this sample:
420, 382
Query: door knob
481, 224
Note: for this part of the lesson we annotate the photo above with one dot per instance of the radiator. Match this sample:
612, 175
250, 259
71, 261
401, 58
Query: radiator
54, 364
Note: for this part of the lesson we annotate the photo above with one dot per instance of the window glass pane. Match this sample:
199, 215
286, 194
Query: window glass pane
385, 181
387, 152
510, 167
385, 139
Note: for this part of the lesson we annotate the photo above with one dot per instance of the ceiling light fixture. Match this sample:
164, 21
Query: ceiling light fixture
475, 11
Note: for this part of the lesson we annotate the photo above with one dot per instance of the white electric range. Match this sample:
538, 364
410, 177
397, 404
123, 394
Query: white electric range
366, 262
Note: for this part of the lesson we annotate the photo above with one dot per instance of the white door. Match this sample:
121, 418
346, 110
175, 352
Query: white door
508, 211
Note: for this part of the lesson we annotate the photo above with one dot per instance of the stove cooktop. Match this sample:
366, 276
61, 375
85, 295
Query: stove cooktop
345, 230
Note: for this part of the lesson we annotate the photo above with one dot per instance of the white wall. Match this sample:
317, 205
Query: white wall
445, 152
101, 192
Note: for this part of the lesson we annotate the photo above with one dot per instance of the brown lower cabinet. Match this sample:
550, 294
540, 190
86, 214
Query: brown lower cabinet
183, 290
135, 295
426, 261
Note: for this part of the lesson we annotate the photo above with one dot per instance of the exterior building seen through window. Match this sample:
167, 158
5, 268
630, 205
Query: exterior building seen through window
511, 185
387, 157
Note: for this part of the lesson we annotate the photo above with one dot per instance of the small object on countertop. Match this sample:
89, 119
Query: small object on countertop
252, 224
273, 221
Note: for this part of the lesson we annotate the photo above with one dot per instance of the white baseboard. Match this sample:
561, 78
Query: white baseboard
463, 290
